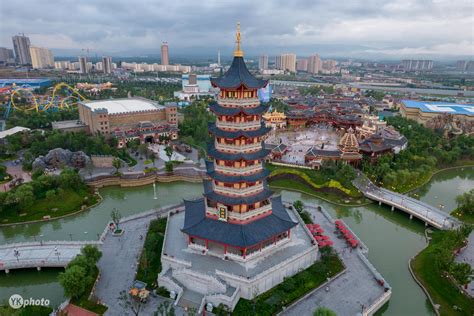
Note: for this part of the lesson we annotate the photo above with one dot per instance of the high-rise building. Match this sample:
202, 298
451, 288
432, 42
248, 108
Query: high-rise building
414, 65
465, 65
314, 64
329, 65
83, 64
286, 62
6, 56
41, 57
302, 65
263, 62
107, 64
21, 45
165, 59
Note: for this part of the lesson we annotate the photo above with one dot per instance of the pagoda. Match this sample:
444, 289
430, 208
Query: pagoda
238, 216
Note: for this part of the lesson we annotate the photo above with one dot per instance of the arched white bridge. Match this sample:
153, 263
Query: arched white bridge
415, 208
40, 254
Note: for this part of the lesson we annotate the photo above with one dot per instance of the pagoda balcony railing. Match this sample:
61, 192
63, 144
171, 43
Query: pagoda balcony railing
243, 216
239, 125
242, 191
238, 148
238, 170
238, 102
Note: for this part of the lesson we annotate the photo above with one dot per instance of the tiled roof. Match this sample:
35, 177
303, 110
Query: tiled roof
234, 200
221, 110
238, 75
213, 129
197, 224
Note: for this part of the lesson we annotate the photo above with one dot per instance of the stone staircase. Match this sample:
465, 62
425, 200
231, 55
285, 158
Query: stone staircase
190, 300
199, 282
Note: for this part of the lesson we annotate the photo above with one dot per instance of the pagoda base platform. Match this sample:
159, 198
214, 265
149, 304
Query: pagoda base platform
224, 279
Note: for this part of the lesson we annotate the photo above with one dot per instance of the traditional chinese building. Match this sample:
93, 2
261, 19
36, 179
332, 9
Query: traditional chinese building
238, 240
275, 119
347, 150
237, 214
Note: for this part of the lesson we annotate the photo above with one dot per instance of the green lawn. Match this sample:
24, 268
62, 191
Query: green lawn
84, 301
291, 184
68, 202
441, 290
273, 301
150, 259
26, 311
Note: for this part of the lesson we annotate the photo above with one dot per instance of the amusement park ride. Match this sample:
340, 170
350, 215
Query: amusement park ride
61, 96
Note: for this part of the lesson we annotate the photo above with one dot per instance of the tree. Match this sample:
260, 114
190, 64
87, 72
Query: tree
143, 149
461, 272
70, 179
465, 202
116, 217
117, 164
165, 309
323, 311
169, 166
129, 303
92, 253
298, 205
50, 194
169, 152
72, 281
24, 195
153, 158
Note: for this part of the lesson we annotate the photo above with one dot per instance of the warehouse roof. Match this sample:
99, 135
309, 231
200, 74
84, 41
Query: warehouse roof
441, 107
126, 105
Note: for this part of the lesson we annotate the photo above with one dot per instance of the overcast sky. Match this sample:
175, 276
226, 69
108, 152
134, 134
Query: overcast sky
365, 28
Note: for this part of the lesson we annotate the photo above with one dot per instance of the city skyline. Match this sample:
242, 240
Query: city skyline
364, 29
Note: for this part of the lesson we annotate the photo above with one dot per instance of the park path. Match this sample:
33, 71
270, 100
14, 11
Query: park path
352, 292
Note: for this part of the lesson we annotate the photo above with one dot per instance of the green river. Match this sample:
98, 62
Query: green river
391, 236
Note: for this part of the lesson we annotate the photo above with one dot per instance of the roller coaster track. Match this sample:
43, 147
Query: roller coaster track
39, 105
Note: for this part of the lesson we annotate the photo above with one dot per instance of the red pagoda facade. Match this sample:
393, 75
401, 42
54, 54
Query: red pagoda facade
237, 215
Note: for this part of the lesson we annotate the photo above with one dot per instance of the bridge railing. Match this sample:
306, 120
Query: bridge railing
49, 243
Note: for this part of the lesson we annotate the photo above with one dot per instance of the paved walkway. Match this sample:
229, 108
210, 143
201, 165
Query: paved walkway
118, 265
16, 171
348, 294
468, 256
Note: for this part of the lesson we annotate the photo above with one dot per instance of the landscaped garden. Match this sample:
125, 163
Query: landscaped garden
79, 278
465, 209
150, 259
46, 196
333, 182
428, 151
440, 274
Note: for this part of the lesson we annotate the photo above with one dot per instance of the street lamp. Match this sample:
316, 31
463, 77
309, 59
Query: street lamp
16, 253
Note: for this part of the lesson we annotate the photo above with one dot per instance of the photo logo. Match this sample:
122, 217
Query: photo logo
16, 301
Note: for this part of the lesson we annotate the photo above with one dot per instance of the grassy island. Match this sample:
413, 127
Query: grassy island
46, 197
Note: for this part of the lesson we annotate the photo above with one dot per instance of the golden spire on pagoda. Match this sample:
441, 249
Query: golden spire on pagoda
238, 52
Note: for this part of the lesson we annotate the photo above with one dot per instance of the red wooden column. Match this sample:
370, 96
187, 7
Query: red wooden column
245, 252
225, 249
207, 244
289, 230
